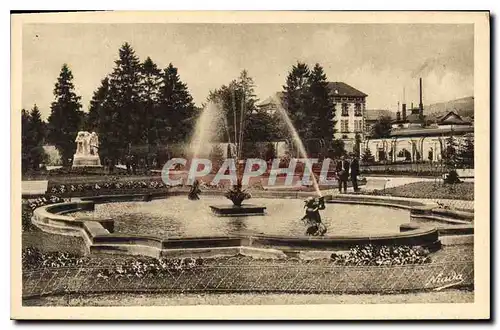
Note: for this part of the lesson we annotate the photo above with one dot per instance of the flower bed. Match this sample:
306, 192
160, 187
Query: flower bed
107, 187
371, 255
33, 259
29, 205
461, 191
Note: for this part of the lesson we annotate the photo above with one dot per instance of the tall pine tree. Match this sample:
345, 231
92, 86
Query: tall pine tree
297, 97
96, 104
320, 116
150, 92
122, 118
32, 139
66, 115
176, 112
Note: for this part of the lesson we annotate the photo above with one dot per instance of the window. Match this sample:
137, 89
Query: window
344, 126
344, 136
358, 126
357, 110
345, 109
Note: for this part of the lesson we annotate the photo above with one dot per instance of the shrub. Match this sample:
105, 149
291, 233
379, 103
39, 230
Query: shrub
452, 177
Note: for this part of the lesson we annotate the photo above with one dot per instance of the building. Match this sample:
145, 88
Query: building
349, 107
372, 116
414, 137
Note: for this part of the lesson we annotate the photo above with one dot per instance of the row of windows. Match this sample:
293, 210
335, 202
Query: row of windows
344, 126
345, 109
348, 99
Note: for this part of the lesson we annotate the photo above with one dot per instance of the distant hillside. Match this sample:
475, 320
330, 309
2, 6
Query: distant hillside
463, 106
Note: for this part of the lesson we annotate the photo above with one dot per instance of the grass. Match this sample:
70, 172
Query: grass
431, 190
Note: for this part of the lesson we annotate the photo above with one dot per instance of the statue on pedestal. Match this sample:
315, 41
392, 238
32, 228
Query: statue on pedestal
87, 145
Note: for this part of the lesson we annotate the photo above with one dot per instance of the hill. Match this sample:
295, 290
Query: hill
463, 106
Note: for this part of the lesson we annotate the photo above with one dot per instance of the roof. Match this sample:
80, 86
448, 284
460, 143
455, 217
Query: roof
375, 114
452, 118
404, 132
272, 99
337, 88
343, 89
414, 118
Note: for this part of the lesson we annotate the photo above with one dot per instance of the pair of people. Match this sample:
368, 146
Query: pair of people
346, 169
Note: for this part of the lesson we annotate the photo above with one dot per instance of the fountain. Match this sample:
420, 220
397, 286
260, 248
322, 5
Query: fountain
204, 133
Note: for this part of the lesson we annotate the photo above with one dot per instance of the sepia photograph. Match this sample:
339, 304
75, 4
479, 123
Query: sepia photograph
287, 165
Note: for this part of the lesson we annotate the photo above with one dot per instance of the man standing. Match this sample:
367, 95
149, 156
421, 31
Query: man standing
354, 172
343, 173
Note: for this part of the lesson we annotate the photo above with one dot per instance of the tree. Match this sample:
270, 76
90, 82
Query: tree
320, 116
382, 128
32, 139
357, 144
121, 115
450, 152
66, 115
97, 103
297, 97
270, 153
466, 152
337, 148
240, 119
216, 157
176, 113
150, 95
367, 157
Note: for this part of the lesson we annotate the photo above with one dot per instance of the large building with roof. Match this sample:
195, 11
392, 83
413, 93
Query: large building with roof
414, 137
349, 108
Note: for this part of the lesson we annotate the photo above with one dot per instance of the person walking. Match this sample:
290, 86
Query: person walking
342, 173
354, 171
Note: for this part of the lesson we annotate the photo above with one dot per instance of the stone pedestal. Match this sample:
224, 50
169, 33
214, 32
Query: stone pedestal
233, 210
86, 161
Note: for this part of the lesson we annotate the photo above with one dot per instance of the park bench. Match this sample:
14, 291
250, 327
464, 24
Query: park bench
34, 188
375, 184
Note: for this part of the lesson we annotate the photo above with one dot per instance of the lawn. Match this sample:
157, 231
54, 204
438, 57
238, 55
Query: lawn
432, 190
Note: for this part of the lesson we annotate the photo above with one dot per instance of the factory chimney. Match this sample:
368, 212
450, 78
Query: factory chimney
421, 105
398, 114
403, 110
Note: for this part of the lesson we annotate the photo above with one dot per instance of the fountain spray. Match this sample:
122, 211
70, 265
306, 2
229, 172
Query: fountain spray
296, 138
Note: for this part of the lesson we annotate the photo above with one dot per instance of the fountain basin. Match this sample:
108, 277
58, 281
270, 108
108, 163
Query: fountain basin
234, 210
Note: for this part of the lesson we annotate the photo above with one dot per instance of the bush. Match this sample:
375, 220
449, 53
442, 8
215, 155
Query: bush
452, 177
372, 255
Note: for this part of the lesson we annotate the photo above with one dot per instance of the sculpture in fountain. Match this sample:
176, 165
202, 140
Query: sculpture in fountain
195, 191
87, 146
312, 218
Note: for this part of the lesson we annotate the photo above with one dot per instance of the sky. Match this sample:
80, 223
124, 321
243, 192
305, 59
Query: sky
381, 60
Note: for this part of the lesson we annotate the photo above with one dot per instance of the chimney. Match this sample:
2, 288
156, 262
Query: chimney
411, 105
421, 105
404, 111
